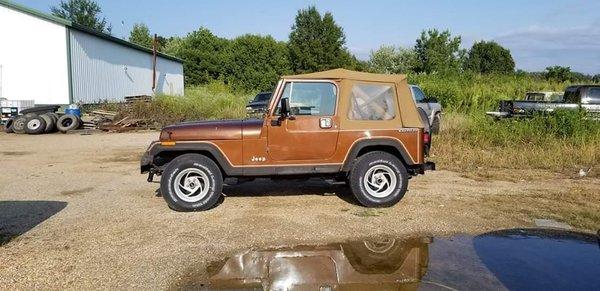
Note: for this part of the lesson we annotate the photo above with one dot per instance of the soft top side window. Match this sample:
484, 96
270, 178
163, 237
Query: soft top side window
372, 102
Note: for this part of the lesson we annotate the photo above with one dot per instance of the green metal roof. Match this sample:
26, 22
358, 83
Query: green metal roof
62, 21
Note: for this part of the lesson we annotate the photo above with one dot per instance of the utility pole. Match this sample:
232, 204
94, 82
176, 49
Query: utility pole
154, 47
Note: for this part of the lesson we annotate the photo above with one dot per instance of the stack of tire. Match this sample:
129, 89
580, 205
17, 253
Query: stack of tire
42, 119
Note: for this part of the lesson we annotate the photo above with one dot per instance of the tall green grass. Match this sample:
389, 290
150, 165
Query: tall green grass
215, 100
564, 141
477, 93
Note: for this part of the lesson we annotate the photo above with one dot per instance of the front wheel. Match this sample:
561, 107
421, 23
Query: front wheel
378, 179
191, 182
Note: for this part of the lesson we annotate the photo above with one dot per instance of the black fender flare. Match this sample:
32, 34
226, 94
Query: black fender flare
388, 142
192, 147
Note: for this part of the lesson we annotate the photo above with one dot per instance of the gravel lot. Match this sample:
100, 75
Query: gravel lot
83, 217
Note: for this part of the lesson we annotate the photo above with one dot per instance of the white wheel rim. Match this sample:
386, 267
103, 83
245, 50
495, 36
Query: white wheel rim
191, 185
380, 246
380, 181
33, 124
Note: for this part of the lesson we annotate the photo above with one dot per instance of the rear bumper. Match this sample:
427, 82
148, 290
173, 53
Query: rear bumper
429, 166
421, 168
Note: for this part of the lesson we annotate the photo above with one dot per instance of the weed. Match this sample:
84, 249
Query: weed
212, 101
561, 142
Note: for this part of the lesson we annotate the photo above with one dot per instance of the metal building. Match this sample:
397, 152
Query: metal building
54, 61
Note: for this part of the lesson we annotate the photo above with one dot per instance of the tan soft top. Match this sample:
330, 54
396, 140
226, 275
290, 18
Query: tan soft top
409, 114
338, 74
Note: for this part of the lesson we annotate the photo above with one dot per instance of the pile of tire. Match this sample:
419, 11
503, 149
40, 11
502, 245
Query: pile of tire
43, 119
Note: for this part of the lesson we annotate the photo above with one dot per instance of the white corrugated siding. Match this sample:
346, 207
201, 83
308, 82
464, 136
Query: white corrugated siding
102, 70
33, 58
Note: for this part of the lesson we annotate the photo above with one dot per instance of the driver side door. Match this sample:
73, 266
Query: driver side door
310, 133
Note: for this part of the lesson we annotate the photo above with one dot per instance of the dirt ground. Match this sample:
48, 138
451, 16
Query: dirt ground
75, 213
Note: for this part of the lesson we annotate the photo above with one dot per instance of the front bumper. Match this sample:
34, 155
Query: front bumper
146, 163
147, 160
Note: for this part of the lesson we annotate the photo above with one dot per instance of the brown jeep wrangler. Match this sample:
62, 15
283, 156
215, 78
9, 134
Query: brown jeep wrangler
361, 128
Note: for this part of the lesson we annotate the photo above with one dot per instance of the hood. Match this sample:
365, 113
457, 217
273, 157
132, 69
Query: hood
209, 130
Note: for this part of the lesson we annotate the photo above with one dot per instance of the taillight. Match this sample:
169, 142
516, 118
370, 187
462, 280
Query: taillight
426, 138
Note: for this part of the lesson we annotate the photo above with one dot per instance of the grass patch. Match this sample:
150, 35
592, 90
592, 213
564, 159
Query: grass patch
212, 101
477, 93
562, 142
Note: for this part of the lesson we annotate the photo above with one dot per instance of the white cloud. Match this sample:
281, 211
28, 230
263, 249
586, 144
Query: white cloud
587, 37
537, 47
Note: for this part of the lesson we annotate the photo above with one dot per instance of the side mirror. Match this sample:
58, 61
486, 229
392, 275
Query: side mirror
285, 107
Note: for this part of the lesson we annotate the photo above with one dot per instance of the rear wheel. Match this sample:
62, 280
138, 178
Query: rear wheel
191, 182
378, 179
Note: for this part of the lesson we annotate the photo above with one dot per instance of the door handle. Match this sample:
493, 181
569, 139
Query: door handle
325, 122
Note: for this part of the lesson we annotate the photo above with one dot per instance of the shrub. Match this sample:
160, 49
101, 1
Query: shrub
215, 100
470, 92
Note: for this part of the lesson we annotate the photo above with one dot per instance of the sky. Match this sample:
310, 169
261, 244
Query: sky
538, 33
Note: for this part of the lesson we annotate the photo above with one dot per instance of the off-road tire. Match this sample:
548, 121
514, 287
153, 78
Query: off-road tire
50, 124
171, 179
67, 122
435, 125
19, 124
8, 126
365, 165
379, 256
54, 116
35, 125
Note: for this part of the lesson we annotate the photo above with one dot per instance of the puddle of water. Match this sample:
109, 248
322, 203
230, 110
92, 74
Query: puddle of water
518, 259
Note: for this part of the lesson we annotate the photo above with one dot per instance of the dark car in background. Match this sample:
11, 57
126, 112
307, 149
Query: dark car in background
259, 103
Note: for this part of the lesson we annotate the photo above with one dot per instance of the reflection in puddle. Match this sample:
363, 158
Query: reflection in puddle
509, 259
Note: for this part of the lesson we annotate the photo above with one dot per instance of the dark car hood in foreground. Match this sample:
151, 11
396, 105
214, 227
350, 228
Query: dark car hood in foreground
209, 130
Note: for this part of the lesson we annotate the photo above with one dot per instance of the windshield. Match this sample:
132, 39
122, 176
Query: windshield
262, 97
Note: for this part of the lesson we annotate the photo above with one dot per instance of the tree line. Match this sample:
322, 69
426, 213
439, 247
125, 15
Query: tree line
316, 42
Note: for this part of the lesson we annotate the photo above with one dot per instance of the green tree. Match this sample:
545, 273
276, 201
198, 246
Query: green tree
558, 74
438, 52
392, 60
596, 78
173, 46
256, 62
317, 43
83, 12
489, 57
204, 56
140, 34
